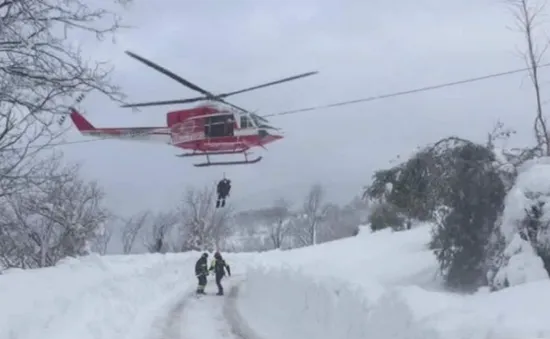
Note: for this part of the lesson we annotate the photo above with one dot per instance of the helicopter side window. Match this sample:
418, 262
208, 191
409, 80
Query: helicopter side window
246, 122
219, 126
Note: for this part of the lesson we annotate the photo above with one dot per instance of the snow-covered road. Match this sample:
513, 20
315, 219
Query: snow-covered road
201, 317
205, 317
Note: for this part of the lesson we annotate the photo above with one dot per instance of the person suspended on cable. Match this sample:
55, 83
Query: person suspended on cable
219, 266
224, 187
201, 271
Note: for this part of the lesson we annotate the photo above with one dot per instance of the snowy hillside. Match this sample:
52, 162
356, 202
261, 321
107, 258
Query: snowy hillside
380, 285
376, 285
93, 297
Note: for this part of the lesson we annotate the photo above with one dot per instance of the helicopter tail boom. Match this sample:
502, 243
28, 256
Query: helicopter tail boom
81, 123
148, 134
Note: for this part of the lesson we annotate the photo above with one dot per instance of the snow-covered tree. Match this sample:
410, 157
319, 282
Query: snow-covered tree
278, 219
57, 217
386, 215
101, 243
131, 228
161, 225
458, 185
42, 72
522, 252
474, 196
305, 226
204, 225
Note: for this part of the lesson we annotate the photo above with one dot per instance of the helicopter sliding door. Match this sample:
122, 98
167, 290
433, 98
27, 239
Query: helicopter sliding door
219, 126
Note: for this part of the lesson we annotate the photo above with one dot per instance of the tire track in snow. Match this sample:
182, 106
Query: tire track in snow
206, 317
238, 324
171, 329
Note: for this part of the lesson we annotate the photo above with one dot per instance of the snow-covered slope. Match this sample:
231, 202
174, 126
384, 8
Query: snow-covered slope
376, 285
93, 297
380, 285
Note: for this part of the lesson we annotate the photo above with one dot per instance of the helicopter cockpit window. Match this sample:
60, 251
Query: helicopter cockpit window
257, 121
219, 126
246, 122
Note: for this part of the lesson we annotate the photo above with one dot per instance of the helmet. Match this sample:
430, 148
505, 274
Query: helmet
205, 255
217, 255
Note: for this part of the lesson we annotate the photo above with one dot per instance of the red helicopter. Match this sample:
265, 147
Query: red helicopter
215, 128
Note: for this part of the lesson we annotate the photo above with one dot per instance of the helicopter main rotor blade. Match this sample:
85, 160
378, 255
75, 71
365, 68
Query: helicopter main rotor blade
170, 74
259, 117
161, 103
295, 77
232, 105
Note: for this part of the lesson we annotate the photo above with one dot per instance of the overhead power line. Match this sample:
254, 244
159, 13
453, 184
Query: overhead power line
411, 91
351, 102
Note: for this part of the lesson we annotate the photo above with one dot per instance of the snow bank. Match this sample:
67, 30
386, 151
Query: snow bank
380, 285
532, 186
520, 262
376, 252
92, 297
287, 304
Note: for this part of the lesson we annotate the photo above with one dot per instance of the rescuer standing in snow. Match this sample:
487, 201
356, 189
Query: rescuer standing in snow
219, 266
224, 186
201, 271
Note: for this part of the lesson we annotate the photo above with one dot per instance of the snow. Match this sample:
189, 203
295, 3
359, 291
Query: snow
199, 309
92, 297
375, 285
520, 263
380, 285
532, 184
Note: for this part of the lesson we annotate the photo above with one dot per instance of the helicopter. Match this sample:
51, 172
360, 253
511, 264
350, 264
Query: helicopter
215, 127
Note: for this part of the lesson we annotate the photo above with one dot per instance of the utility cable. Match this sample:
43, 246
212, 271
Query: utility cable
411, 91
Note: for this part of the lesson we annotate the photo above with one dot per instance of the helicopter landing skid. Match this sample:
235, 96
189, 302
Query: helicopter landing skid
221, 163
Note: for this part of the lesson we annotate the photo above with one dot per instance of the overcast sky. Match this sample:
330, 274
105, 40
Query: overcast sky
361, 48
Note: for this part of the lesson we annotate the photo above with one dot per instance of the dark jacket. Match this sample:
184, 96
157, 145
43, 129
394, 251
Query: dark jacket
201, 267
219, 266
224, 186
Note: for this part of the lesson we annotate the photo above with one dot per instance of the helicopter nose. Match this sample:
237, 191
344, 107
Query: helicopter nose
276, 136
264, 132
266, 137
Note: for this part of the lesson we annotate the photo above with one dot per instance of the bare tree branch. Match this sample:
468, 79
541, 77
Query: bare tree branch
131, 229
42, 71
204, 225
305, 225
279, 222
527, 14
161, 225
101, 243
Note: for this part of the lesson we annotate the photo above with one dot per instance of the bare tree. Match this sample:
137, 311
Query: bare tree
279, 219
313, 210
305, 224
103, 240
330, 227
204, 225
130, 230
41, 69
161, 225
527, 14
59, 217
